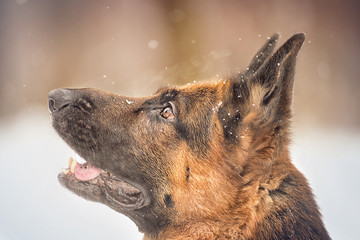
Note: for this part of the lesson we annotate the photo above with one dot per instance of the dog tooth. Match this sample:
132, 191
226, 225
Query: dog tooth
73, 166
71, 160
65, 171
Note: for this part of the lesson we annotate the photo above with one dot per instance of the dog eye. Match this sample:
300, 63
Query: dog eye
167, 113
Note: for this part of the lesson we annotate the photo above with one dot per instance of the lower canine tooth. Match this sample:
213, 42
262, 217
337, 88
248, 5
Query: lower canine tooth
65, 171
72, 167
71, 160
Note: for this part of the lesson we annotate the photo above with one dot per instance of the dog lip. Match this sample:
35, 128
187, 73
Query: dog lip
124, 193
143, 197
124, 200
118, 192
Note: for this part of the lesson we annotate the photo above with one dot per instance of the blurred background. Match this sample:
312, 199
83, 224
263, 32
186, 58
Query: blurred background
133, 47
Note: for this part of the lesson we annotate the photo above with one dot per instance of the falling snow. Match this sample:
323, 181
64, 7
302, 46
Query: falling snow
217, 107
152, 44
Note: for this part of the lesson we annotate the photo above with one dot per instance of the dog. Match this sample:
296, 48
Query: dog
208, 160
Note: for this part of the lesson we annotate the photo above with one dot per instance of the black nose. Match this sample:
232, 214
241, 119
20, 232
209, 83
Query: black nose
60, 98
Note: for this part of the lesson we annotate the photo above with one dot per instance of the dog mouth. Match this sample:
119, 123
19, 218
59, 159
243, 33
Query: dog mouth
97, 184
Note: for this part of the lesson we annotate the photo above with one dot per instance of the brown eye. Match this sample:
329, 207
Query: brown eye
167, 113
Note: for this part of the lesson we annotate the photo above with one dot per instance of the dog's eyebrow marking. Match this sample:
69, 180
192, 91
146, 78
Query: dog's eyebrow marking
168, 95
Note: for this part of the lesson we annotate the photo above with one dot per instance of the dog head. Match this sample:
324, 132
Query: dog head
183, 153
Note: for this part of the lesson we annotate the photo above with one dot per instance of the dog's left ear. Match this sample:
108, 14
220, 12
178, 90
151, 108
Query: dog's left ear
262, 55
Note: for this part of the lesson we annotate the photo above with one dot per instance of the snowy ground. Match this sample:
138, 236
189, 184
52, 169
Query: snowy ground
33, 205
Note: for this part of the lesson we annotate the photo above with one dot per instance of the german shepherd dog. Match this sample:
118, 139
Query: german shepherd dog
208, 160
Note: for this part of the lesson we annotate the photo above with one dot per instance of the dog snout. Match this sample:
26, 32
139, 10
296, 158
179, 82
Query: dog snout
60, 98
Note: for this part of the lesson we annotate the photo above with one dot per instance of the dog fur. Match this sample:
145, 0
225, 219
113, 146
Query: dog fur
208, 160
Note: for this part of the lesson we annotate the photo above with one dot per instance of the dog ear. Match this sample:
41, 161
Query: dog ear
240, 84
261, 56
265, 87
236, 98
276, 77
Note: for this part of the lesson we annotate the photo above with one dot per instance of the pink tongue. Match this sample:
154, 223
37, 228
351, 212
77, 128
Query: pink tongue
86, 172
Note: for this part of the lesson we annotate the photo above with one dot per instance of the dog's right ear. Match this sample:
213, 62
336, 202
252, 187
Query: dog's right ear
235, 102
276, 78
265, 88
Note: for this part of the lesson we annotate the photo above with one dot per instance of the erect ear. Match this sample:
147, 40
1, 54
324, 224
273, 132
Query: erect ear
276, 77
267, 83
240, 82
262, 54
234, 105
